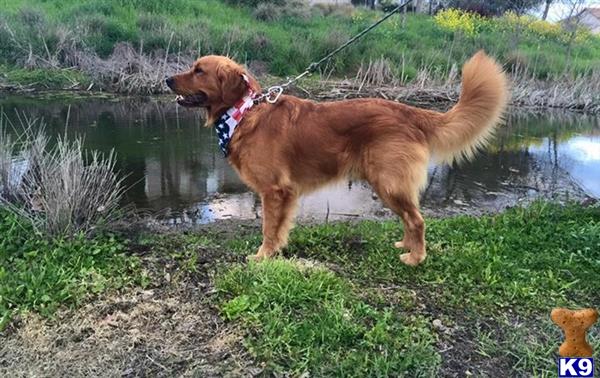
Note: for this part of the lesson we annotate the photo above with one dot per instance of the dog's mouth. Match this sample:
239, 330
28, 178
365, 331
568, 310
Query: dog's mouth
192, 101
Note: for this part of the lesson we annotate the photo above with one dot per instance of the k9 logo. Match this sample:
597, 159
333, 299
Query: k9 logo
575, 367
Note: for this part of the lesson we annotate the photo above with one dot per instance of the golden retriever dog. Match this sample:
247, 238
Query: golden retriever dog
294, 146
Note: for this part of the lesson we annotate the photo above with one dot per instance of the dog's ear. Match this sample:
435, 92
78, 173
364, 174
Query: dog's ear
233, 85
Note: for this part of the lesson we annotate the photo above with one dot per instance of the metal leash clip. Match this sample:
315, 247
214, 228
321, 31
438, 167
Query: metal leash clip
273, 94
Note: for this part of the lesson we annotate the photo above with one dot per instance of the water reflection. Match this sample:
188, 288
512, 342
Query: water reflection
176, 170
580, 157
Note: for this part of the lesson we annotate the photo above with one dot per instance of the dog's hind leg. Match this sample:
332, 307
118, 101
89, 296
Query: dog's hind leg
414, 235
414, 228
397, 177
278, 210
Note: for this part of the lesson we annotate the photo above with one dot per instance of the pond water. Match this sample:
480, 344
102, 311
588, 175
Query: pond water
176, 171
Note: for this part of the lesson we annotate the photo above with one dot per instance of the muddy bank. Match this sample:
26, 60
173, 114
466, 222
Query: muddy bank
577, 95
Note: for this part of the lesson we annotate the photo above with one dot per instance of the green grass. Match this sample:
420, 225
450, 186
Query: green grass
526, 258
492, 280
309, 319
38, 274
286, 45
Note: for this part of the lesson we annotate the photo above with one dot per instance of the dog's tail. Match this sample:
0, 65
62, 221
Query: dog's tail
471, 122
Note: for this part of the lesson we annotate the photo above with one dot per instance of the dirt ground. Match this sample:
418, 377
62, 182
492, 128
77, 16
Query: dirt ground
171, 329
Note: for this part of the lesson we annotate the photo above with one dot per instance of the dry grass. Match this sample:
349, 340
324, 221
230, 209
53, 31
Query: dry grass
61, 190
168, 328
130, 71
376, 72
139, 333
7, 162
581, 93
126, 70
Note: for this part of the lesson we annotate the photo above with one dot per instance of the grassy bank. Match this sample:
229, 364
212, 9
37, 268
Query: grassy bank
340, 303
483, 296
165, 36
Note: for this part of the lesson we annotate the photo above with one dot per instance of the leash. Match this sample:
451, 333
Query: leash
273, 93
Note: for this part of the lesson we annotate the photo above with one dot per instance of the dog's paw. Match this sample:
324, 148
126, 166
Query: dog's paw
399, 244
411, 260
255, 258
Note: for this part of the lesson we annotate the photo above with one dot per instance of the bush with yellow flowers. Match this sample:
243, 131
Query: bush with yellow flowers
457, 20
471, 24
582, 35
511, 21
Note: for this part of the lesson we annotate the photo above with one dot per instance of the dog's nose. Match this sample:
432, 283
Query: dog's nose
170, 82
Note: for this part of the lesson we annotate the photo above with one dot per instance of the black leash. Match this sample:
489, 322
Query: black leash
272, 94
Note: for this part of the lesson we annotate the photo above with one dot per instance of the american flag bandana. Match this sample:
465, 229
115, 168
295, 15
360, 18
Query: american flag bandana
226, 124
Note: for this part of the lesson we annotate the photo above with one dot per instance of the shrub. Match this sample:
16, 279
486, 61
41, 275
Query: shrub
61, 191
389, 5
538, 28
298, 9
267, 12
32, 18
271, 11
339, 10
457, 20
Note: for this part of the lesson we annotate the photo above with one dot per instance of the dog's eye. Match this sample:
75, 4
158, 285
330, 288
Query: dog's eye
198, 71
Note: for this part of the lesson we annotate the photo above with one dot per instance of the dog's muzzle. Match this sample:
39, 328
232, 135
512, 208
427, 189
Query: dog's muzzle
189, 101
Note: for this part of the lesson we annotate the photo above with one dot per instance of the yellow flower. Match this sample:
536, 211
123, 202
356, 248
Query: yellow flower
458, 20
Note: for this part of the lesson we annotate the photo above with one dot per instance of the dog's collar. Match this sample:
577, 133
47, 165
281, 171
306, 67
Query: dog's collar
227, 123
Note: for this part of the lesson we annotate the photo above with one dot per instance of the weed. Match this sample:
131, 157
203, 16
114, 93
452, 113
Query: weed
42, 274
62, 190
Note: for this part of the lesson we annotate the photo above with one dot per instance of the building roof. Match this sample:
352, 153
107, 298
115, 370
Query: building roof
594, 11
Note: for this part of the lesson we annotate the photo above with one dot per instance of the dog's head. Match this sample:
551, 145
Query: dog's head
213, 82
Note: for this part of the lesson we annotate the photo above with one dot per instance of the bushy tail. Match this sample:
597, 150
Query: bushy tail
471, 122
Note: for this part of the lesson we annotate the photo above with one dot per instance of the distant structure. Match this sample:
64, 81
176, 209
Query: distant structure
588, 17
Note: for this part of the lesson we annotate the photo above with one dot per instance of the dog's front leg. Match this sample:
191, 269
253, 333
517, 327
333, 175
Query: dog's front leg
278, 208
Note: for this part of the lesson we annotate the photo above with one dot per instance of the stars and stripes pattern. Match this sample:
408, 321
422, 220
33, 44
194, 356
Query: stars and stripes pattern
226, 124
